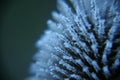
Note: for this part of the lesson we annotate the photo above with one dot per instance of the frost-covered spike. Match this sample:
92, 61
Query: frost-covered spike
96, 66
65, 9
95, 12
55, 76
42, 55
76, 77
60, 18
95, 77
69, 58
86, 70
116, 63
88, 59
80, 22
105, 59
56, 27
116, 19
103, 9
76, 5
79, 7
113, 7
55, 57
98, 21
83, 46
106, 71
94, 45
67, 45
79, 62
37, 70
52, 25
59, 50
111, 33
68, 66
101, 29
108, 47
61, 71
72, 48
81, 15
81, 43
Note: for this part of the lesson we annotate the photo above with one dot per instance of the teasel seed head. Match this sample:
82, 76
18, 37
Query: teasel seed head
81, 43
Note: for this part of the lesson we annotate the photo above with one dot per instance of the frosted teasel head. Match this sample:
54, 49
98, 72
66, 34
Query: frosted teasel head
82, 42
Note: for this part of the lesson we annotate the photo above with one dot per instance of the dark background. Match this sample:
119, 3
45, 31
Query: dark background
22, 22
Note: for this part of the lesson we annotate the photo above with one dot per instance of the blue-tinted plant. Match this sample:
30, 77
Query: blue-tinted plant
82, 42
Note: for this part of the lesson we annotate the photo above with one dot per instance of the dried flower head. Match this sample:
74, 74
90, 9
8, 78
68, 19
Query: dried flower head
82, 42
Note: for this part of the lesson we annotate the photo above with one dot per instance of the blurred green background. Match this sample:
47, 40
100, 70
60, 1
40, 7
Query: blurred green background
22, 22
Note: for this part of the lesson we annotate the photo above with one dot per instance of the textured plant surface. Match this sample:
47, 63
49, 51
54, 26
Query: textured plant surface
82, 42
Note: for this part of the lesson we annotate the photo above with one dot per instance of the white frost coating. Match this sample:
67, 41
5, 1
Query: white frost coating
68, 67
74, 76
96, 66
86, 70
94, 76
116, 63
61, 71
106, 71
82, 42
67, 45
68, 58
88, 59
78, 61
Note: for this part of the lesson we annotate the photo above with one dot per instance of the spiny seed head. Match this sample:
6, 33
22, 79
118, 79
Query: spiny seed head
82, 42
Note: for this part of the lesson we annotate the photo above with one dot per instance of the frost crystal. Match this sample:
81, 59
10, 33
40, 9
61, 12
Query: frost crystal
82, 42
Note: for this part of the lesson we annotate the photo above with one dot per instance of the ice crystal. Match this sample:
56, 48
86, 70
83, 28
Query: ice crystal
82, 42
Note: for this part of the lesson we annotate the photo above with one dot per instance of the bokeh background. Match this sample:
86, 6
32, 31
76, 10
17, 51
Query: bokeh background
22, 22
